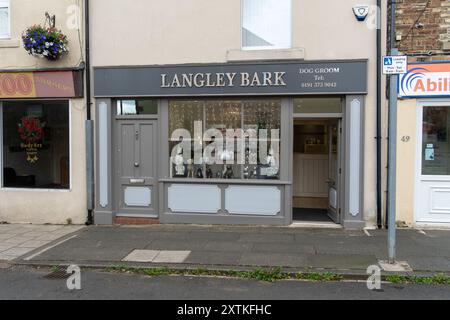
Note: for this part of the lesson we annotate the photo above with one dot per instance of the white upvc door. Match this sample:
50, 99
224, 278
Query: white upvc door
432, 192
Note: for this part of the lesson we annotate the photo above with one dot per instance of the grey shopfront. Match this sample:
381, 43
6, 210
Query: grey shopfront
162, 135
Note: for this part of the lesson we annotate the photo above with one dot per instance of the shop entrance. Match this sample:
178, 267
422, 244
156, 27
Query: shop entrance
433, 164
136, 168
317, 170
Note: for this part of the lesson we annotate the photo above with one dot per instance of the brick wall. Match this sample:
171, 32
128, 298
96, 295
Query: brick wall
424, 26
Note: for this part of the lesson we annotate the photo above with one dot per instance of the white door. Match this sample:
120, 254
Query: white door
433, 165
334, 171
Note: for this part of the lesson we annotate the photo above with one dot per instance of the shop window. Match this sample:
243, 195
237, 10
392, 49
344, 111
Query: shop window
4, 19
436, 141
266, 24
137, 107
225, 139
36, 145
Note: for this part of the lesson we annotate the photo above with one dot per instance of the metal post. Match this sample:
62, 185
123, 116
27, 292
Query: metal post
392, 179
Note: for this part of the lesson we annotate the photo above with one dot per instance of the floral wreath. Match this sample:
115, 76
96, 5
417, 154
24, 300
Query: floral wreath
31, 129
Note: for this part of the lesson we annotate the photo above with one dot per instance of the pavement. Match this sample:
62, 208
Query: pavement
24, 283
19, 239
237, 247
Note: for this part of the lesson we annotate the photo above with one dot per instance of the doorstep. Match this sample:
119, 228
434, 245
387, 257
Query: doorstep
315, 225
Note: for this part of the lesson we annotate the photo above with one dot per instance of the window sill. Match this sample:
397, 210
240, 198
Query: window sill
266, 54
9, 43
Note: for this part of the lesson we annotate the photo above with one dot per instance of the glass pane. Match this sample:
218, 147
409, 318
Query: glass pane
225, 139
318, 105
266, 23
4, 22
436, 141
136, 107
36, 145
263, 116
183, 116
225, 117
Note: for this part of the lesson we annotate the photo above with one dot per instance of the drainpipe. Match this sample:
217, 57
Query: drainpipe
379, 118
89, 123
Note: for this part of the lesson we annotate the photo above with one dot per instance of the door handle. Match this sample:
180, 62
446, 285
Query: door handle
136, 164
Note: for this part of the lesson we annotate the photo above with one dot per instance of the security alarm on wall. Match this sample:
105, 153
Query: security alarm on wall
361, 12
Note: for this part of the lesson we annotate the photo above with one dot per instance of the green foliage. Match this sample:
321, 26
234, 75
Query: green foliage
314, 276
438, 279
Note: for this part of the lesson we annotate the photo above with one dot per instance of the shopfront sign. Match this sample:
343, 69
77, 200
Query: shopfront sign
425, 80
290, 78
48, 84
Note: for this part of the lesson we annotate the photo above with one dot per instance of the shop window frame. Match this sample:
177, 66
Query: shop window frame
147, 116
242, 101
274, 47
421, 104
6, 4
38, 190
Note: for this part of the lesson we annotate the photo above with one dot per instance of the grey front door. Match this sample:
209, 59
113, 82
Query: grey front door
136, 169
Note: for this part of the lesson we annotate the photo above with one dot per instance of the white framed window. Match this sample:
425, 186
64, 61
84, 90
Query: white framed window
5, 24
266, 24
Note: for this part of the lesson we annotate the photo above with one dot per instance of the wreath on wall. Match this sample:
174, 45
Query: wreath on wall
42, 42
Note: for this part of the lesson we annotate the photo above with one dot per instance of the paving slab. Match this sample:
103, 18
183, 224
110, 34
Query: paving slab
166, 256
18, 240
141, 256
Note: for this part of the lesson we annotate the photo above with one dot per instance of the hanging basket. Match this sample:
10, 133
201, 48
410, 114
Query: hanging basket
48, 43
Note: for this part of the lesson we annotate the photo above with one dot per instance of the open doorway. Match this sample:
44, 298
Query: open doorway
316, 171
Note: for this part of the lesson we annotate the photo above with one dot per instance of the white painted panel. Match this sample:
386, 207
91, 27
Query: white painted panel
333, 198
310, 175
194, 198
103, 153
138, 196
355, 157
434, 202
440, 200
253, 200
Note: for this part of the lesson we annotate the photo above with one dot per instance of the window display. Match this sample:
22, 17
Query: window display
36, 145
436, 141
225, 139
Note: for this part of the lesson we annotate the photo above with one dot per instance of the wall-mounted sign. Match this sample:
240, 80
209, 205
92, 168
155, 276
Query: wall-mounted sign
41, 84
395, 64
289, 78
425, 80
